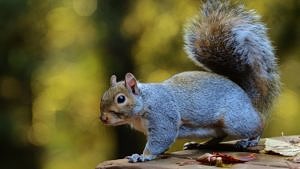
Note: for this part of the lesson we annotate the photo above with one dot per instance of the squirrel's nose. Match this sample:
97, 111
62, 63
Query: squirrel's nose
103, 118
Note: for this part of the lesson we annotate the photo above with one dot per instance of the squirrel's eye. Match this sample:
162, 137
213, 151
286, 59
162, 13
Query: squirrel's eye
121, 99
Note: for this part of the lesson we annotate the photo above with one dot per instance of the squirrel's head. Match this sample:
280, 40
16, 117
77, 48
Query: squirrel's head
121, 101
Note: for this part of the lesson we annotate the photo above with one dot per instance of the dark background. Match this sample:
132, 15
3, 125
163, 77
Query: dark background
56, 57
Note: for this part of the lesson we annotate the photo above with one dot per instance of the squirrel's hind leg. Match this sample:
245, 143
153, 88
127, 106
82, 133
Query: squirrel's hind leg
194, 145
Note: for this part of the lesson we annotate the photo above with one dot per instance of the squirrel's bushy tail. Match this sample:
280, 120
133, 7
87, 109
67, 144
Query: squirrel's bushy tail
231, 41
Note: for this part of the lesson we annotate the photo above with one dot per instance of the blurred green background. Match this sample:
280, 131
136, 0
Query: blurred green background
56, 57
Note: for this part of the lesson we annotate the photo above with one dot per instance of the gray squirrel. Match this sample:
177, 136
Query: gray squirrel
232, 97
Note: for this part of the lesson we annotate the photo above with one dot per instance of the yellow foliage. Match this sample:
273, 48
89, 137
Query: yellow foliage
67, 84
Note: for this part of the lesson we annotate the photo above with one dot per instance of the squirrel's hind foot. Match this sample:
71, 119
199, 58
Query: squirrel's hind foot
244, 144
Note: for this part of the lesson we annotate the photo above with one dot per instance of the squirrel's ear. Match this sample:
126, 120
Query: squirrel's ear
131, 83
113, 80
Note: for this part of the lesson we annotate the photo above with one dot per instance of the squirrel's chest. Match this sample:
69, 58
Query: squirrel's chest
140, 124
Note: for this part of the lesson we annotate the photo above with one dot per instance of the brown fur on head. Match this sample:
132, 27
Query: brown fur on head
118, 102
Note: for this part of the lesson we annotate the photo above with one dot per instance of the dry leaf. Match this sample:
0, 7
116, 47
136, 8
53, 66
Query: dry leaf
285, 148
220, 158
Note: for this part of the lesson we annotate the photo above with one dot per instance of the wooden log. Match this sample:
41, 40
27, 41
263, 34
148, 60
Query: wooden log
187, 157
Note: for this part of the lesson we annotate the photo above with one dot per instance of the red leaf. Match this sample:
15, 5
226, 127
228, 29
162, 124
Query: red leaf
215, 157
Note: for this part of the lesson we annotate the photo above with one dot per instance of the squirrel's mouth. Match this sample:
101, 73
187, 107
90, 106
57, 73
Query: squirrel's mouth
120, 115
116, 123
113, 118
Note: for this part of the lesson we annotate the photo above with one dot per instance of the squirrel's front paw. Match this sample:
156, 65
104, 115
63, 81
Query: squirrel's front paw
134, 158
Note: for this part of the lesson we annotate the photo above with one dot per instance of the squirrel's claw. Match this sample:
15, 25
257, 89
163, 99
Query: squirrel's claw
134, 158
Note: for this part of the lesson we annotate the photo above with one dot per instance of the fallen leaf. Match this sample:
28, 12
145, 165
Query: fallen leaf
220, 158
284, 148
